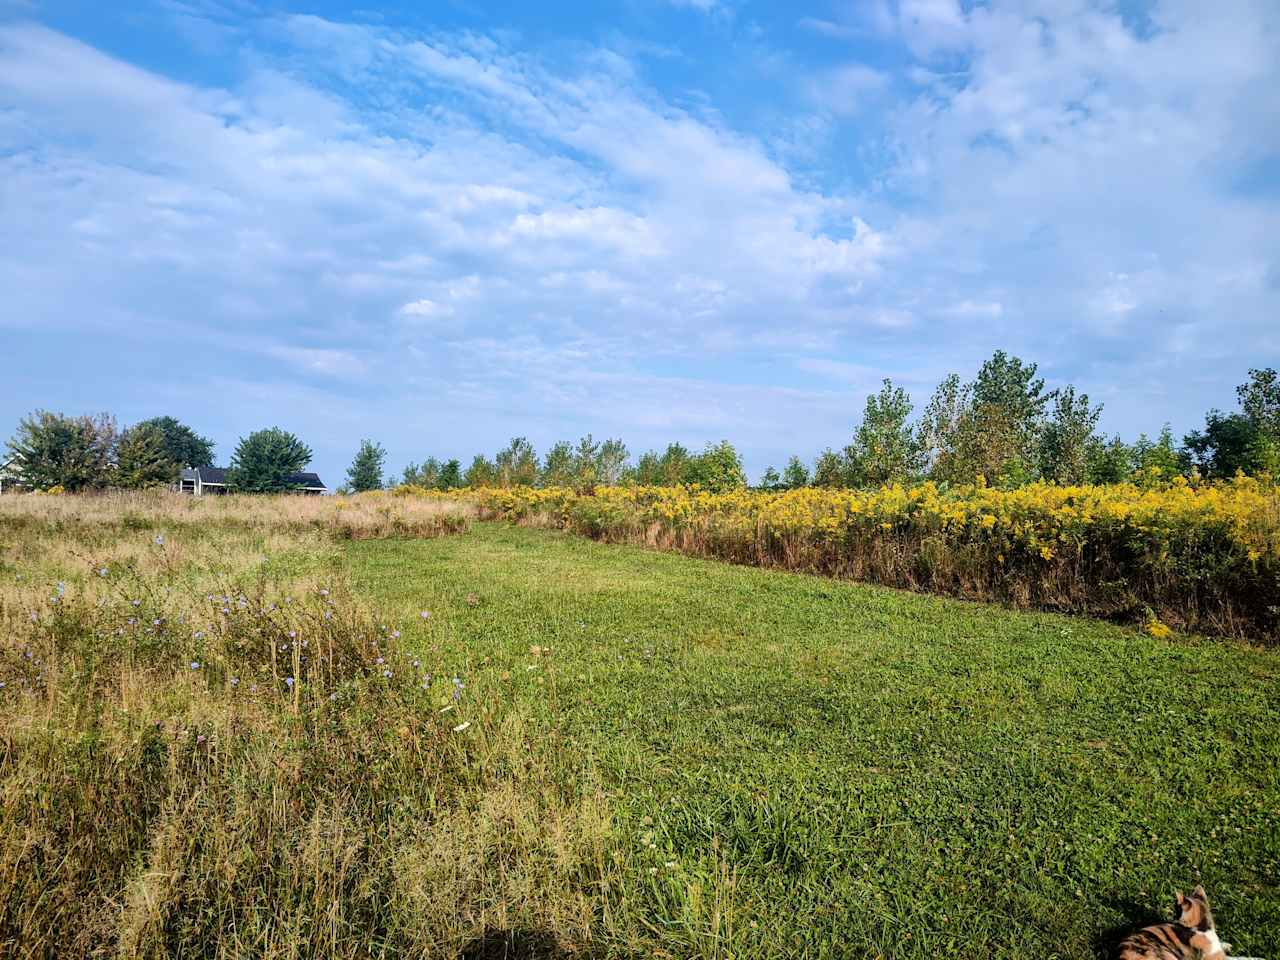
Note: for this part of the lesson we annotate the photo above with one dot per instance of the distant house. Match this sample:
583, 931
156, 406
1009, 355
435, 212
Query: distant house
206, 481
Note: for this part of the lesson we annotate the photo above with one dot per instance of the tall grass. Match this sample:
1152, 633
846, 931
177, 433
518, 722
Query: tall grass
205, 752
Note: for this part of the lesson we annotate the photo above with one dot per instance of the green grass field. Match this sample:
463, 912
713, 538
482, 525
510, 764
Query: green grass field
791, 766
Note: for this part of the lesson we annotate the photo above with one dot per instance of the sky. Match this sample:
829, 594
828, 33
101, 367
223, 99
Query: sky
441, 225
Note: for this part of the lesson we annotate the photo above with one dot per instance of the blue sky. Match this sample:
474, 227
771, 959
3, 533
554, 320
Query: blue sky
443, 224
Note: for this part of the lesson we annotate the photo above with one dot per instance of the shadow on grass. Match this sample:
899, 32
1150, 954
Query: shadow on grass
1137, 916
516, 945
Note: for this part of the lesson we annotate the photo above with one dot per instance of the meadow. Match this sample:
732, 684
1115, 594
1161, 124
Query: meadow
1203, 556
385, 727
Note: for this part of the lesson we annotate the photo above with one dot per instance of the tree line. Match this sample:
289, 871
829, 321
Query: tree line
84, 453
1003, 426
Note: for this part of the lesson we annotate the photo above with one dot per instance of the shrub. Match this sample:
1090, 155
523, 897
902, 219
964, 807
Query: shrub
1199, 556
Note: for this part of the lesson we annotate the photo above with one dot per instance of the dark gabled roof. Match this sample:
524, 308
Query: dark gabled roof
218, 475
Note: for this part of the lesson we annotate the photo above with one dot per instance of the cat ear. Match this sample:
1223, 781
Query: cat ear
1182, 900
1199, 893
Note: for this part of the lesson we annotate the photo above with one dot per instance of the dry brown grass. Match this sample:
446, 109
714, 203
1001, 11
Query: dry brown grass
202, 753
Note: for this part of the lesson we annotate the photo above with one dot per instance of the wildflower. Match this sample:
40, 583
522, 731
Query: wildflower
289, 682
155, 622
462, 726
195, 664
395, 634
324, 591
333, 696
292, 634
380, 661
328, 614
387, 674
61, 588
34, 616
159, 540
235, 681
199, 634
425, 614
137, 603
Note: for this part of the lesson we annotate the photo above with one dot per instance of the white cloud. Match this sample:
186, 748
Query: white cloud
426, 310
330, 363
1055, 185
847, 89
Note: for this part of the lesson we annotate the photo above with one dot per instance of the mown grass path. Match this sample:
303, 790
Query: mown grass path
802, 767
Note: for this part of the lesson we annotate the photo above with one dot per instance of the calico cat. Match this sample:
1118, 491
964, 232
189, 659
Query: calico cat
1191, 937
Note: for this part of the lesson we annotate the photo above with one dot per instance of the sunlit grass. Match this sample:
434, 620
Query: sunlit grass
235, 732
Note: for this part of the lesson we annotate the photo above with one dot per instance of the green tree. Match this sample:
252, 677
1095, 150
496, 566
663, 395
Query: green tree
1260, 402
586, 463
1159, 458
264, 461
770, 480
182, 445
884, 449
646, 472
1230, 442
830, 470
796, 475
365, 472
1003, 433
990, 427
1068, 436
426, 476
517, 464
1109, 461
481, 473
143, 459
52, 450
450, 475
673, 465
611, 461
939, 434
557, 466
718, 468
